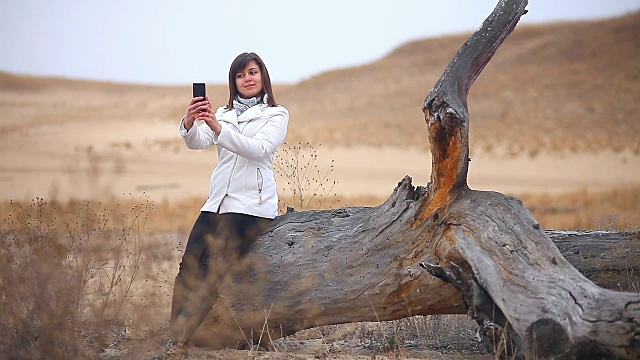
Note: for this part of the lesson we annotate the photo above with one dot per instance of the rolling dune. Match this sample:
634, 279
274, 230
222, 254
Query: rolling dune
555, 111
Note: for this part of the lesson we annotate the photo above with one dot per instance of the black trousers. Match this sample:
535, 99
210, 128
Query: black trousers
216, 244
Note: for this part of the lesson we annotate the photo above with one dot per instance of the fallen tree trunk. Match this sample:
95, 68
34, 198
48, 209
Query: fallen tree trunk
367, 264
609, 259
361, 264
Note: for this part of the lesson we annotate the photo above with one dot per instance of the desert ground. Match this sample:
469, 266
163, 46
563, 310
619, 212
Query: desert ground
554, 121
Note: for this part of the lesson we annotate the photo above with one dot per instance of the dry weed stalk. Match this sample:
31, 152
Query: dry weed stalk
66, 287
306, 182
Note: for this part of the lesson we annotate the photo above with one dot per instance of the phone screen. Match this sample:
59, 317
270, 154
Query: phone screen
199, 90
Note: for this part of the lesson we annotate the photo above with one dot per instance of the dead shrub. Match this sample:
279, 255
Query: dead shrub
67, 285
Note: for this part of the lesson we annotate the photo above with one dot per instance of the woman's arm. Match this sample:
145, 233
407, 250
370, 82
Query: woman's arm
263, 143
198, 137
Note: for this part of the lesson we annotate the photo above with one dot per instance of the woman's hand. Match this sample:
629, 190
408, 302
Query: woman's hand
210, 118
197, 108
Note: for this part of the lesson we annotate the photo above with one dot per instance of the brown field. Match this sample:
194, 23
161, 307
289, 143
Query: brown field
555, 121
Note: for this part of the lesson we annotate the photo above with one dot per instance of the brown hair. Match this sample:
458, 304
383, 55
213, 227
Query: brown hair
238, 64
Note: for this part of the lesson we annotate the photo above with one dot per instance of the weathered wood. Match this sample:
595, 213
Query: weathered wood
363, 264
445, 107
330, 267
551, 307
609, 259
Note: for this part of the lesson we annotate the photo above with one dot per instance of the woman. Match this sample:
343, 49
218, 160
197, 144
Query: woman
242, 197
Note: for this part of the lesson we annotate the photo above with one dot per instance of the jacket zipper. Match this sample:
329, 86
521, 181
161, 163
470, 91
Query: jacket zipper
260, 181
233, 169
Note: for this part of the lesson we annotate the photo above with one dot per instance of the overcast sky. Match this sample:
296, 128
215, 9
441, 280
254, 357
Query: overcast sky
178, 42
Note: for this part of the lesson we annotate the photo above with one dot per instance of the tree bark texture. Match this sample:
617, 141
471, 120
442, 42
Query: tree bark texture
440, 249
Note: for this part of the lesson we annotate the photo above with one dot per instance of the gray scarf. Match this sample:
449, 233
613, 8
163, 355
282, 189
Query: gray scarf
241, 104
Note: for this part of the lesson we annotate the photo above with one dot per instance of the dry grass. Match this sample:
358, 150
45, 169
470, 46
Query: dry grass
95, 278
416, 337
77, 285
615, 209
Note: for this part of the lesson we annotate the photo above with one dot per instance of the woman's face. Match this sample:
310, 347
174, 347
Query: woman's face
249, 80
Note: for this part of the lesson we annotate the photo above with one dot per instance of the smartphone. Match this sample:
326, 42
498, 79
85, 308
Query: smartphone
199, 90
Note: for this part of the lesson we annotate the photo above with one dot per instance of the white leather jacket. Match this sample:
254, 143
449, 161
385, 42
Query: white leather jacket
243, 180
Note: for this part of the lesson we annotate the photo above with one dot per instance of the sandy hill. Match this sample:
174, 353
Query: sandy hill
556, 86
572, 86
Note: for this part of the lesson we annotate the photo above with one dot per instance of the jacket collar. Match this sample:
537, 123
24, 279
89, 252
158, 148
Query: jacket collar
252, 113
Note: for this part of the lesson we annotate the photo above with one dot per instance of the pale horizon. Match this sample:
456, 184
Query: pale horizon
162, 43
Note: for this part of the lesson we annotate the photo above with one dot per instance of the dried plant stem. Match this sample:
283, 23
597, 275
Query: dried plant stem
305, 181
